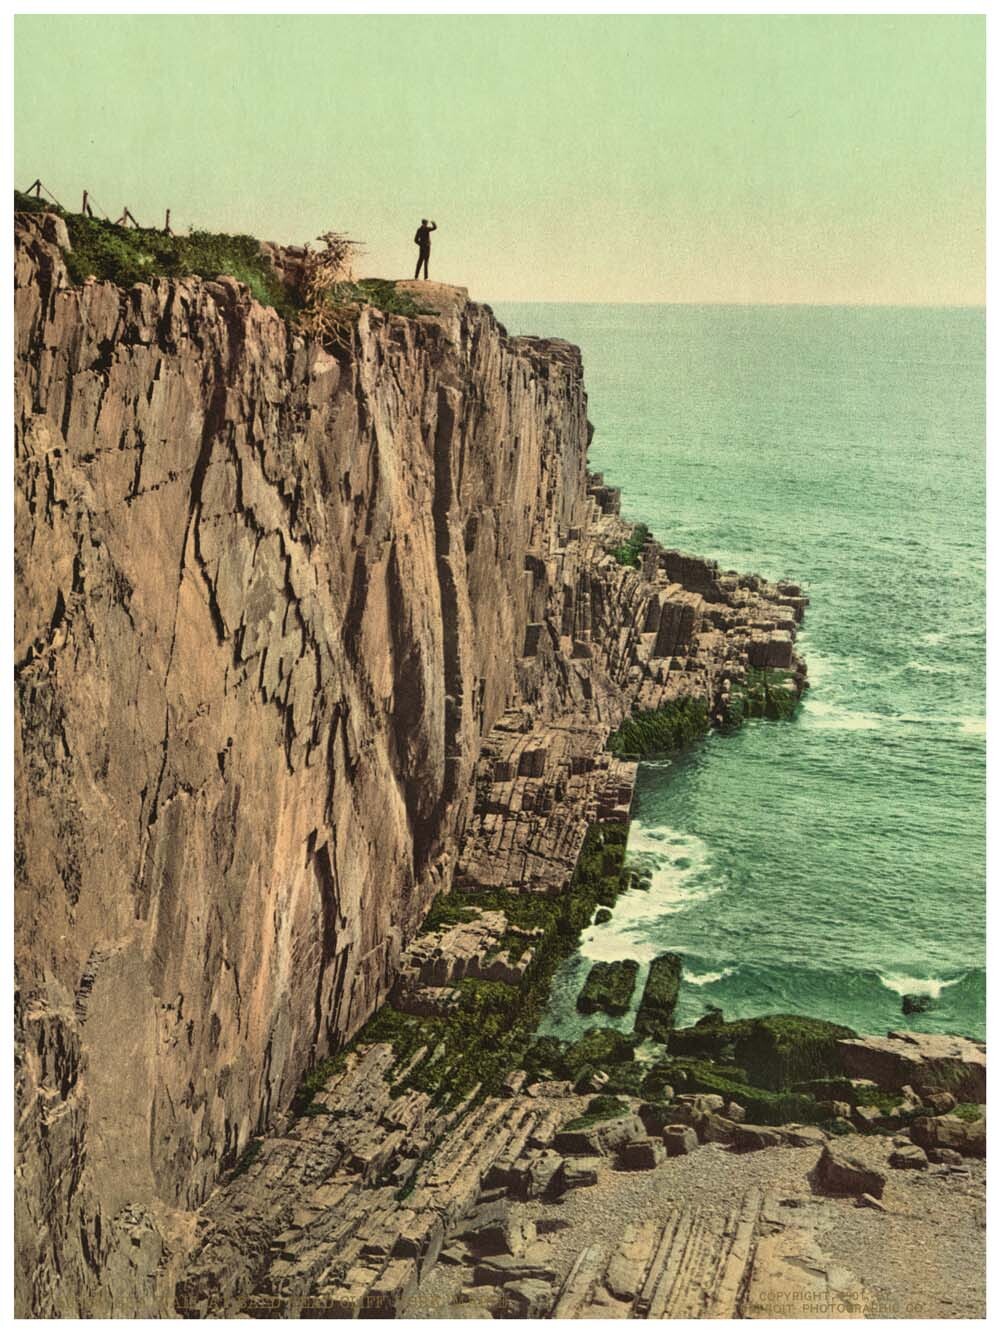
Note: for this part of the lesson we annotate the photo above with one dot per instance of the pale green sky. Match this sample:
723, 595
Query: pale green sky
657, 158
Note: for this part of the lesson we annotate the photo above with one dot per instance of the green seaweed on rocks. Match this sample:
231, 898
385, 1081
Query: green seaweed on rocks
768, 693
599, 1111
661, 730
599, 1048
608, 987
626, 1078
777, 1051
655, 1017
763, 1106
490, 1029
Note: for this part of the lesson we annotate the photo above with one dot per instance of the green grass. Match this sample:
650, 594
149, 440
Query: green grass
967, 1111
661, 730
628, 553
27, 203
127, 255
380, 292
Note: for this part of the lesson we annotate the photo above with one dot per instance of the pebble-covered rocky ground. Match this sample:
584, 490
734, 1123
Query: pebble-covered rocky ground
922, 1257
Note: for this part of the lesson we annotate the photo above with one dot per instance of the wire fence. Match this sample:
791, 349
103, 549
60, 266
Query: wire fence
90, 208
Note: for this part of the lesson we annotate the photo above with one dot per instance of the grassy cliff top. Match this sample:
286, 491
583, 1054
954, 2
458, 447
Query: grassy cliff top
127, 255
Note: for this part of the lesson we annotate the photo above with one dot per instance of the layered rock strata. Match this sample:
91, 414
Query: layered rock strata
300, 632
381, 1204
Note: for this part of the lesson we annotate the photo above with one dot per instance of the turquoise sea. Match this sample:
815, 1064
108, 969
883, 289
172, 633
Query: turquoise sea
830, 864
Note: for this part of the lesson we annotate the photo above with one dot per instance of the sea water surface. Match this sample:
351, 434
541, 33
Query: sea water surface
831, 864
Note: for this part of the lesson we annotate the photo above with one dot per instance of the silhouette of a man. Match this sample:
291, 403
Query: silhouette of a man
423, 240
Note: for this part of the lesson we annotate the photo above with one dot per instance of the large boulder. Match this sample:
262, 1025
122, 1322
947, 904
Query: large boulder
536, 1174
642, 1155
908, 1157
579, 1174
776, 1051
839, 1172
948, 1131
717, 1129
529, 1298
599, 1139
679, 1140
655, 1017
608, 987
752, 1138
953, 1063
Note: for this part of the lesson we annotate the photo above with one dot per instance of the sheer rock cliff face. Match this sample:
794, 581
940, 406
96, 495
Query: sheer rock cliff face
269, 601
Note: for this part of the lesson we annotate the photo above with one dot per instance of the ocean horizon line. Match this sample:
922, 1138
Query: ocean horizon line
753, 305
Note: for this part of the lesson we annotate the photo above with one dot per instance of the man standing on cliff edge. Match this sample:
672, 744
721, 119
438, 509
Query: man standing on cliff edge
423, 240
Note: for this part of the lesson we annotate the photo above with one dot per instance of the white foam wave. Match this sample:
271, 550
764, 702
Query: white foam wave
678, 866
928, 669
931, 986
832, 717
972, 726
933, 638
706, 978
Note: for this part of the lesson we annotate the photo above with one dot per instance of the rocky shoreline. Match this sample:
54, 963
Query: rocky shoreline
382, 1201
408, 1186
328, 788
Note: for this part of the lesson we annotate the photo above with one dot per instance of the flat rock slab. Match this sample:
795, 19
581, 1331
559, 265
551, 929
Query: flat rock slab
792, 1278
505, 1268
440, 297
918, 1057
